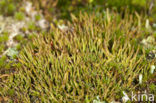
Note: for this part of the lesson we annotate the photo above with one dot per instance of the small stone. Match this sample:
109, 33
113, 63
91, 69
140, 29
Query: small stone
63, 27
140, 79
152, 69
147, 23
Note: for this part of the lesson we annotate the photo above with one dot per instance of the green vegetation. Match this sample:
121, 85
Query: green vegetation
63, 8
19, 16
94, 57
91, 50
8, 7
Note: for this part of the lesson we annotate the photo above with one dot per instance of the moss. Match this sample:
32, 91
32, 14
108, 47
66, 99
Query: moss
98, 54
11, 9
7, 7
152, 87
2, 47
2, 60
37, 17
18, 47
11, 92
4, 37
19, 16
31, 26
81, 61
18, 38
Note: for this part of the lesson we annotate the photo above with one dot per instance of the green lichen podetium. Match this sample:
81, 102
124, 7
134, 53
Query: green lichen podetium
94, 57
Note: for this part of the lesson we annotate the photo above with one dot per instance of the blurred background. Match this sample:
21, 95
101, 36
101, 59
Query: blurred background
63, 8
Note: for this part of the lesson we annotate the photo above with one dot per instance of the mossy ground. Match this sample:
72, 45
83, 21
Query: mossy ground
100, 52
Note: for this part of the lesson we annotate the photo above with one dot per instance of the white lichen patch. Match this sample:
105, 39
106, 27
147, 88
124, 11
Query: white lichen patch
148, 42
30, 11
14, 30
14, 27
43, 24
